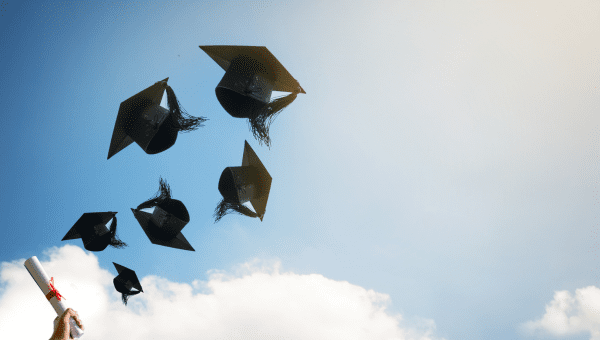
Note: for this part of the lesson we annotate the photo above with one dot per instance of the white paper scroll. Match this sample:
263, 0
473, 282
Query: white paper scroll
34, 267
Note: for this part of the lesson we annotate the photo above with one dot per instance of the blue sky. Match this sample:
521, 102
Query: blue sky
445, 155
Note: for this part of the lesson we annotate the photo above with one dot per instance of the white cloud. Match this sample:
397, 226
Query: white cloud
257, 301
569, 315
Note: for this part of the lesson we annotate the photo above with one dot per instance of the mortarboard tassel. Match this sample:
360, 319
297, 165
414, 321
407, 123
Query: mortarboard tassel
181, 120
114, 239
261, 120
125, 296
163, 194
225, 207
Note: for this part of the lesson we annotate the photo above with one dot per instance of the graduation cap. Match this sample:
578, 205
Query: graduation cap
240, 184
252, 73
125, 281
164, 225
141, 119
91, 228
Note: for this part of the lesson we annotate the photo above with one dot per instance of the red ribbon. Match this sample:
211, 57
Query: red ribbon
53, 292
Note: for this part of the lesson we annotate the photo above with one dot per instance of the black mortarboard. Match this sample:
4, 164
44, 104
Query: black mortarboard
240, 184
125, 281
252, 73
164, 225
141, 119
91, 228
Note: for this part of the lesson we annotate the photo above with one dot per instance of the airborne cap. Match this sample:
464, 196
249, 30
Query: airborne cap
163, 226
141, 119
91, 228
252, 73
240, 184
125, 281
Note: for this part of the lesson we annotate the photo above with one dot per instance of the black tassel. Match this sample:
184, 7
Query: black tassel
163, 194
114, 239
225, 207
125, 296
179, 119
261, 120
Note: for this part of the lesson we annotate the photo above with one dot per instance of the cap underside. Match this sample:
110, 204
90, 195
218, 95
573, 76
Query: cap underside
179, 241
128, 274
88, 220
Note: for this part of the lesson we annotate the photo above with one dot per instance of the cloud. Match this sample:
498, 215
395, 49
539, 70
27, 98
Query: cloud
569, 315
255, 301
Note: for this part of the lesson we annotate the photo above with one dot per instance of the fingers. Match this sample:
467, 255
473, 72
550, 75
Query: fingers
76, 317
66, 315
67, 311
62, 329
70, 313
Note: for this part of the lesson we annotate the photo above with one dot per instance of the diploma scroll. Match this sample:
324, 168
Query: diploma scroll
37, 272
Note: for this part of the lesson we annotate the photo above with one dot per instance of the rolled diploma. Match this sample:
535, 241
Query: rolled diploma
37, 272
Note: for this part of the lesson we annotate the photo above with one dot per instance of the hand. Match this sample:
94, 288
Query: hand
63, 329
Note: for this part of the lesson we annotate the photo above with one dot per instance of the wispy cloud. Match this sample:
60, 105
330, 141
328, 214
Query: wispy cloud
254, 301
